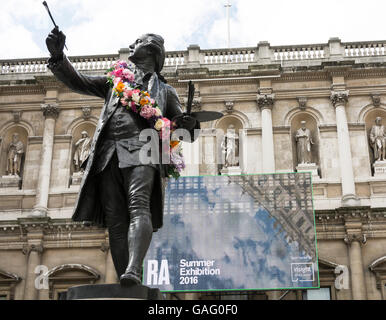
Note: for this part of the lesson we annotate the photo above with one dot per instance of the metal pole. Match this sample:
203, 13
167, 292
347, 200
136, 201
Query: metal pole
228, 6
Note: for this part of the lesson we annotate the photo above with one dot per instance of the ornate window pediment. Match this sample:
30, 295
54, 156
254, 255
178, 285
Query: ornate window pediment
378, 267
67, 275
8, 282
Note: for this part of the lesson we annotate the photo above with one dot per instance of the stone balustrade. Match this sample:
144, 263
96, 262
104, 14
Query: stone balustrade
299, 52
365, 49
263, 53
234, 55
97, 62
39, 65
175, 58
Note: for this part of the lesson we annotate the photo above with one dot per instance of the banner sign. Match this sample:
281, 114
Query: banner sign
241, 232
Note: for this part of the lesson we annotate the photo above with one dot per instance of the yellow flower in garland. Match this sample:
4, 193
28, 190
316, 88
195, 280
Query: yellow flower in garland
119, 87
174, 143
145, 100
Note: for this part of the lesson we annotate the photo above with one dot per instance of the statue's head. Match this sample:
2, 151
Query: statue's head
303, 124
231, 127
84, 134
149, 44
15, 137
378, 121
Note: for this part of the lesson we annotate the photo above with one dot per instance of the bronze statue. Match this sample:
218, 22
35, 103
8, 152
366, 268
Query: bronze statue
117, 189
303, 144
14, 155
377, 140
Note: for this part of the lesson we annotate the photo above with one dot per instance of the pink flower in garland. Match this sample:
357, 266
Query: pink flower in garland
118, 73
165, 130
128, 75
124, 102
128, 94
147, 112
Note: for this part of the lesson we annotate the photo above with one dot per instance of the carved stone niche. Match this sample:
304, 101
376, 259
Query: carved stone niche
222, 127
13, 149
77, 150
378, 168
313, 163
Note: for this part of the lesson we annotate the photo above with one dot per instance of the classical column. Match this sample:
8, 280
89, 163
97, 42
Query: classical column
33, 252
51, 113
339, 100
265, 103
354, 242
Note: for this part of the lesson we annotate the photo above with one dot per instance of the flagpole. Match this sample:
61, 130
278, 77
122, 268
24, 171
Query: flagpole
228, 6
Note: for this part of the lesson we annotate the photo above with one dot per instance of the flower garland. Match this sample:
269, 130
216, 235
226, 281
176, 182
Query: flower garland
121, 79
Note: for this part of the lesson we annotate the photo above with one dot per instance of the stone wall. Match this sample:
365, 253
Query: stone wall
265, 92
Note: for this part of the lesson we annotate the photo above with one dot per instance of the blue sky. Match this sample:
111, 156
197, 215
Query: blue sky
101, 26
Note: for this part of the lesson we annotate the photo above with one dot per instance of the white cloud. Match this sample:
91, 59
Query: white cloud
100, 26
283, 22
16, 40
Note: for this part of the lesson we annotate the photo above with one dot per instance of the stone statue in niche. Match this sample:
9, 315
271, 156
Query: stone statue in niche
377, 140
82, 150
14, 155
230, 147
303, 144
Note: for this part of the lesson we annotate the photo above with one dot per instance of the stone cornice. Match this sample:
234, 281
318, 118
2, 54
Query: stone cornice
337, 224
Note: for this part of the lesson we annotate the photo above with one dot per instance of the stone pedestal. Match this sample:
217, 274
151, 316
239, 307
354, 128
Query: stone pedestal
231, 171
76, 178
308, 167
379, 169
10, 182
112, 292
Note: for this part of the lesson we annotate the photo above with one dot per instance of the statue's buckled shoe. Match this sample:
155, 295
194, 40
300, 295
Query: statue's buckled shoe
130, 279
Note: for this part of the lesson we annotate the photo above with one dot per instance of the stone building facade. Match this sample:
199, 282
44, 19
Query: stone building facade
265, 92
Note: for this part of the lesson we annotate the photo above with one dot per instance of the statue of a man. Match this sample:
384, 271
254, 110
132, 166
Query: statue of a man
118, 189
230, 147
303, 144
82, 150
377, 140
14, 155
